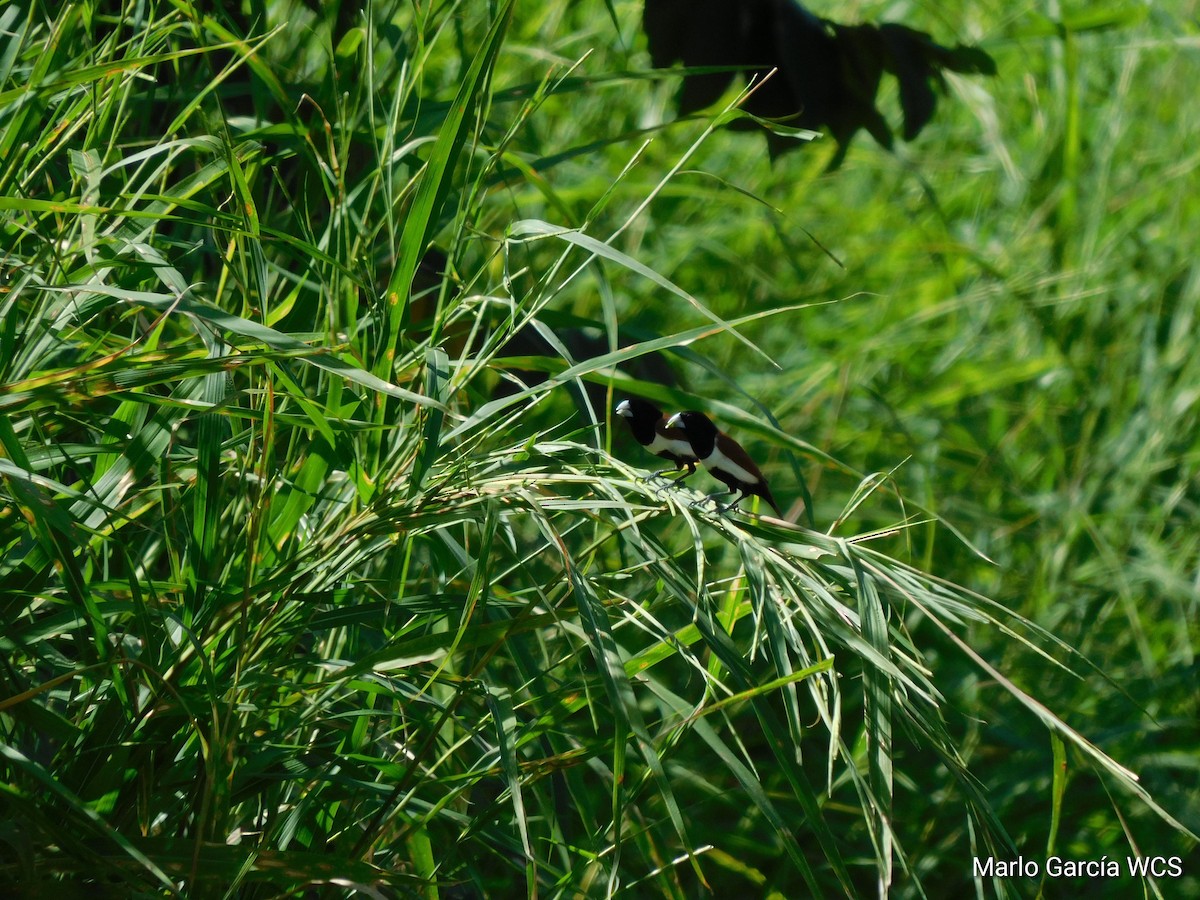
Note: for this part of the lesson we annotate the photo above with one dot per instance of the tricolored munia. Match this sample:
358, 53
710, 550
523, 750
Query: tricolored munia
649, 428
726, 459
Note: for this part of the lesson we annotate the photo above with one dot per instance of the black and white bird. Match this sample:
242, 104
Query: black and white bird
649, 428
726, 459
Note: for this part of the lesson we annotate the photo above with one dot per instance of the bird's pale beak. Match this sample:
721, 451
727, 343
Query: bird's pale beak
675, 421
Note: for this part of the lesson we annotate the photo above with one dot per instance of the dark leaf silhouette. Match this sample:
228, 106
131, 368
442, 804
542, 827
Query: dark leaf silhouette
828, 73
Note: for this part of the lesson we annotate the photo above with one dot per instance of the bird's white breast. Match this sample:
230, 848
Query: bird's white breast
718, 460
660, 444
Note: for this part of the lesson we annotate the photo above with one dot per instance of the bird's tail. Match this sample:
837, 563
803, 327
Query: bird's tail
766, 495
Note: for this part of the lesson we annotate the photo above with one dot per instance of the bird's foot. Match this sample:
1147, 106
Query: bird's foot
731, 505
660, 490
711, 498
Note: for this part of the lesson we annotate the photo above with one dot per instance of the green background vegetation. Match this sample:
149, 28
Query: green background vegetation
312, 583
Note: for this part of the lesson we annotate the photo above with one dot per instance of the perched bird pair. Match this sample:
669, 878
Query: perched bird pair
690, 437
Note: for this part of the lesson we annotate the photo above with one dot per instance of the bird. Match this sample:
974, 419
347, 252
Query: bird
649, 427
726, 459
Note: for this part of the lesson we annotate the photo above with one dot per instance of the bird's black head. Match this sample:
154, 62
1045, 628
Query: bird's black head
639, 412
701, 432
695, 424
642, 416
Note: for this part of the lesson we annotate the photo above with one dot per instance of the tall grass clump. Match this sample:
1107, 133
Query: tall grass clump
322, 573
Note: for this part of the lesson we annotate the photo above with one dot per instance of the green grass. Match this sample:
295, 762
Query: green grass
307, 582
